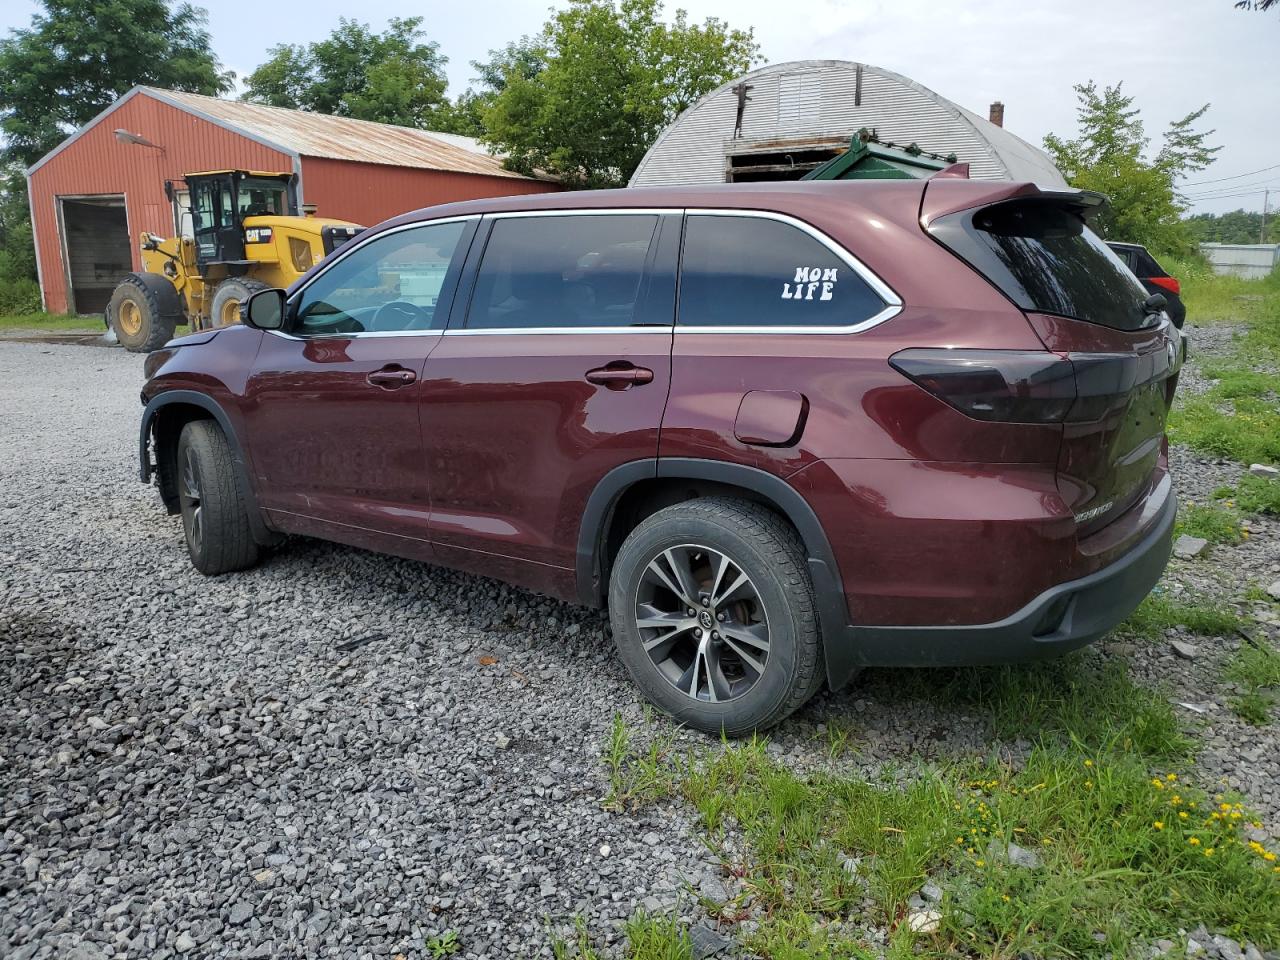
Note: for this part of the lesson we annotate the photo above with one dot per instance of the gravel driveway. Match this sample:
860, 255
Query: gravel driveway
339, 754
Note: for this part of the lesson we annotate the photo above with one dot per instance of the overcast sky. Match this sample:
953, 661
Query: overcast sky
1172, 56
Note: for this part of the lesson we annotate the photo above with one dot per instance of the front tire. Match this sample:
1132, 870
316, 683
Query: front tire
224, 309
214, 519
714, 615
138, 317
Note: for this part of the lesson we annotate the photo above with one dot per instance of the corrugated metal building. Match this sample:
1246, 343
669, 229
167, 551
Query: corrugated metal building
1252, 261
93, 194
781, 121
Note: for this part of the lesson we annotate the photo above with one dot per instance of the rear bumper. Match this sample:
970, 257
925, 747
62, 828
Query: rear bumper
1062, 618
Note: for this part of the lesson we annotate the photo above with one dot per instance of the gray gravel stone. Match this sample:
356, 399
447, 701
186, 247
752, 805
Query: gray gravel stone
1187, 546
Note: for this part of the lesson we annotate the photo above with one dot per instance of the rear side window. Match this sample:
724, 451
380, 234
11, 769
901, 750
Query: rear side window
740, 271
562, 271
1044, 259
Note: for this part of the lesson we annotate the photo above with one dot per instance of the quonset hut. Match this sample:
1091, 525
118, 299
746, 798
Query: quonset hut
784, 120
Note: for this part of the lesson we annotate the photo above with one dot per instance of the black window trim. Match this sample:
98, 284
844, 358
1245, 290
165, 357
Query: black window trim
347, 249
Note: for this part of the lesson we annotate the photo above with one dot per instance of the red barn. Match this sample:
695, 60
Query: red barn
95, 192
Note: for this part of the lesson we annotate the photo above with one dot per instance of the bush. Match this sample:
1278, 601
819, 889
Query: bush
19, 296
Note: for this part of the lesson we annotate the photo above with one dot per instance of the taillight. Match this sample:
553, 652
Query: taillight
1024, 386
1169, 283
1009, 385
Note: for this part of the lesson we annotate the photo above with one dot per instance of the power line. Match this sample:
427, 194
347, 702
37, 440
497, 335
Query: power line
1227, 196
1238, 176
1238, 186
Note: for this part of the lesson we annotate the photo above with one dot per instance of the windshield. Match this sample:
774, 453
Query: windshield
260, 197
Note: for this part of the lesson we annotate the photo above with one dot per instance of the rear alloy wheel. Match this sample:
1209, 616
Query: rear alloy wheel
714, 615
214, 519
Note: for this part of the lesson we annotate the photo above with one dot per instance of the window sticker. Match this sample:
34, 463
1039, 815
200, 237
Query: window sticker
809, 281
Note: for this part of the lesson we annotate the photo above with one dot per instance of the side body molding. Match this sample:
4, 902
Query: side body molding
827, 584
261, 532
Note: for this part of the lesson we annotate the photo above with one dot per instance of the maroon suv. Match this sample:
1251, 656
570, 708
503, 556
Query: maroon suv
783, 431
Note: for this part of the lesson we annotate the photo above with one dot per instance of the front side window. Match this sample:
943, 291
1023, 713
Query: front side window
562, 271
392, 283
260, 197
741, 271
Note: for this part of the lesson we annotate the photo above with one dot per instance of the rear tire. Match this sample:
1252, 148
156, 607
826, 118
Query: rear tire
138, 318
224, 310
724, 661
214, 519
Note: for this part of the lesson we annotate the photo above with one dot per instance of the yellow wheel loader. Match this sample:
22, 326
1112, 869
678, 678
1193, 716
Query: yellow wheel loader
247, 235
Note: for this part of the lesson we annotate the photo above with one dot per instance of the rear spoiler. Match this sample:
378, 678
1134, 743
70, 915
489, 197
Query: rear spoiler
950, 191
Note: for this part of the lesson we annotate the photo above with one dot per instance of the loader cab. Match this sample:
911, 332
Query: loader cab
220, 203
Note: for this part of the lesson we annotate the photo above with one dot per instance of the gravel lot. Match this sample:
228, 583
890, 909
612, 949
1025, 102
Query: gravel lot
339, 754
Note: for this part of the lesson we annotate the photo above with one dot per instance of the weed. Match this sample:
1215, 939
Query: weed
1255, 668
1215, 524
634, 778
1157, 613
648, 938
1258, 495
444, 945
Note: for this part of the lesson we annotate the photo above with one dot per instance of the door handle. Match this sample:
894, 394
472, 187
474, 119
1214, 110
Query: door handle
621, 377
391, 378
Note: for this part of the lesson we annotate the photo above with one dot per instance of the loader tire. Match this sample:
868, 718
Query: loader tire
144, 312
228, 296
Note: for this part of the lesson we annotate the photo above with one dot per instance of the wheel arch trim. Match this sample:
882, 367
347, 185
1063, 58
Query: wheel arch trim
827, 583
193, 398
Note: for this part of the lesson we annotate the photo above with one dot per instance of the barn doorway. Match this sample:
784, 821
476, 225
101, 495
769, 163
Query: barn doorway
96, 251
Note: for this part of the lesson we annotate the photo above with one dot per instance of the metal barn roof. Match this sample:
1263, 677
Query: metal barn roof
301, 133
812, 102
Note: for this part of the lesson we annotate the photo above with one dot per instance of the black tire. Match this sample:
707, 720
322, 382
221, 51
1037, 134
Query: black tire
214, 519
754, 542
140, 316
224, 309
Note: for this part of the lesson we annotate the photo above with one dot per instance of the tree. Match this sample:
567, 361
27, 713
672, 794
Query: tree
1108, 155
390, 77
586, 98
67, 67
1238, 226
80, 55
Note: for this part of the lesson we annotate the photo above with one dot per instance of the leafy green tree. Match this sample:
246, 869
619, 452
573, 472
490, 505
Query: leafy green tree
80, 55
1237, 226
586, 98
390, 77
69, 65
1108, 155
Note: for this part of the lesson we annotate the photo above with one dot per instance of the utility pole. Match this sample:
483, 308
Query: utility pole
1262, 231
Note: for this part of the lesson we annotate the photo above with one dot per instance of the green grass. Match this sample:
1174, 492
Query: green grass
1239, 415
1258, 495
1213, 523
1099, 800
648, 938
1158, 613
52, 322
1255, 668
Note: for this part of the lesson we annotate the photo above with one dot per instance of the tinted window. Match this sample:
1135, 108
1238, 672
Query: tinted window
750, 271
1044, 258
392, 283
1147, 265
562, 271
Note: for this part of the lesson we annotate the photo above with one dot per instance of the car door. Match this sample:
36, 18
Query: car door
331, 404
552, 373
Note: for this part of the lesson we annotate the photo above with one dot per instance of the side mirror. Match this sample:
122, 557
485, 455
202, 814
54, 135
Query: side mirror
264, 310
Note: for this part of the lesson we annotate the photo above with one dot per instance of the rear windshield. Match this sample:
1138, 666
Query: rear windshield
1044, 258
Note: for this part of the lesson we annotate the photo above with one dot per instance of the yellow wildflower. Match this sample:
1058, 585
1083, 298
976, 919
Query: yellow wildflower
1159, 824
1194, 841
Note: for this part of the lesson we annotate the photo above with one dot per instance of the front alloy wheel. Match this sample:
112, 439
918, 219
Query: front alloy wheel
189, 500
